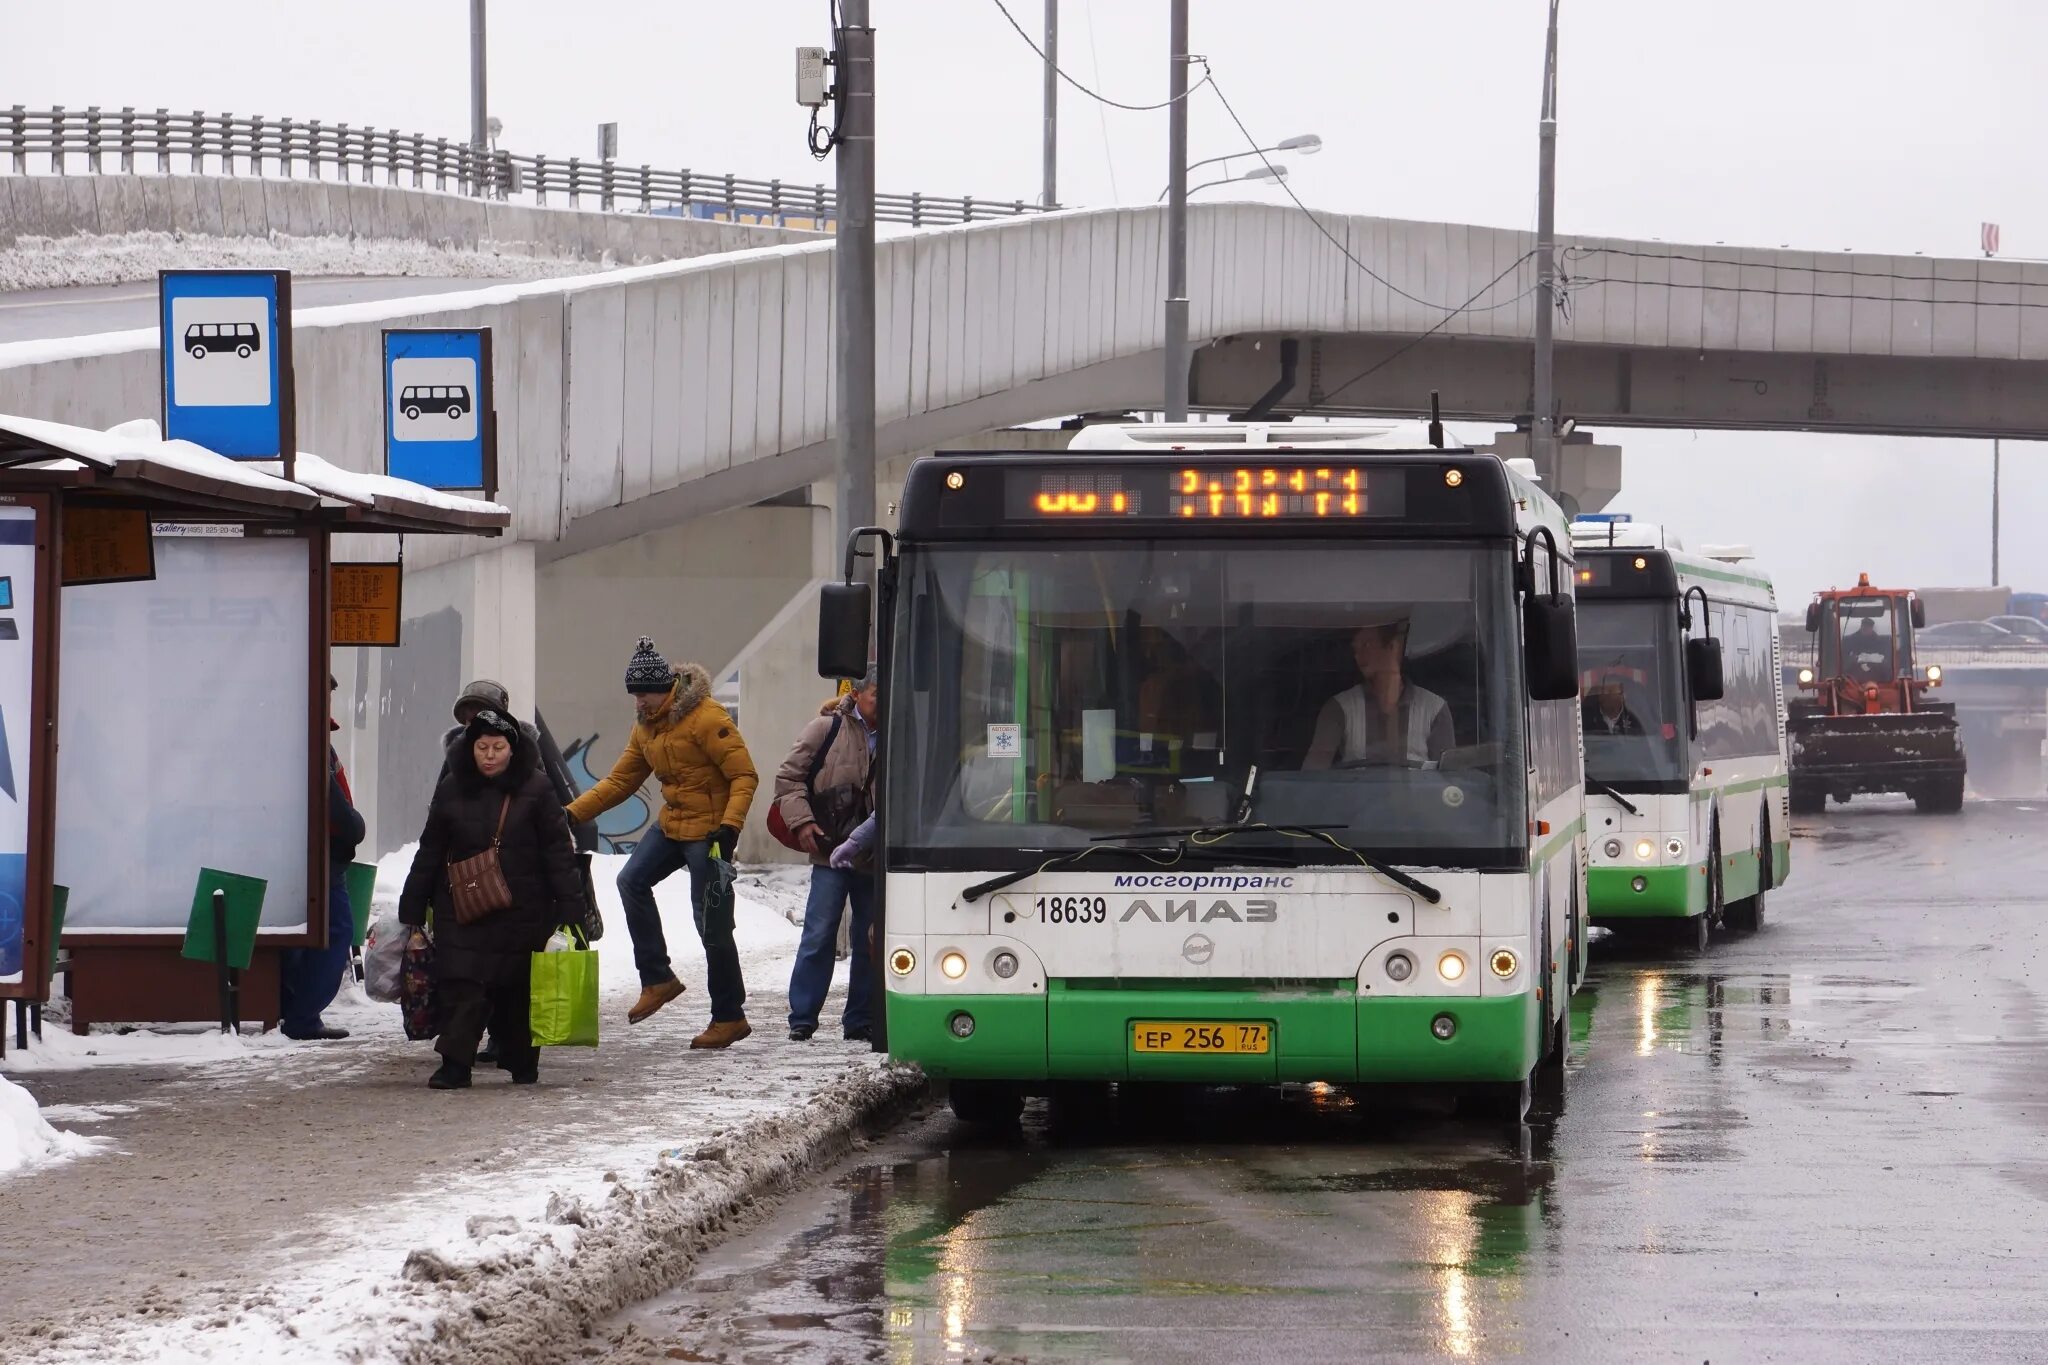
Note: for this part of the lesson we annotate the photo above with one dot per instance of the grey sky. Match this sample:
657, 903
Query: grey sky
1821, 124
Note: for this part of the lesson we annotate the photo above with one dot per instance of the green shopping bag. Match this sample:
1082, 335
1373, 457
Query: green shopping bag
563, 1010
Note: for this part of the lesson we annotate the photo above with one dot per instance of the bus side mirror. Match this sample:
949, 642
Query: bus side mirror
1550, 645
845, 612
1919, 614
1703, 667
1812, 617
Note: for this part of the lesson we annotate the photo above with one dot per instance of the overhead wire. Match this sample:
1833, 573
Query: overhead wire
1280, 179
1096, 94
1434, 328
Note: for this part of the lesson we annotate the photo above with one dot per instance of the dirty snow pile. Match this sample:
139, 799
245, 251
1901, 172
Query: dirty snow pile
62, 262
26, 1139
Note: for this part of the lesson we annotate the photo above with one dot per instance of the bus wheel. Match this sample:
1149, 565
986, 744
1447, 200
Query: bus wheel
986, 1104
1547, 1081
1691, 934
198, 353
1499, 1102
242, 351
1748, 913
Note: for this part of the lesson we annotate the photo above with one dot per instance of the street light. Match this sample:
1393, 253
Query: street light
1308, 144
1273, 174
1269, 174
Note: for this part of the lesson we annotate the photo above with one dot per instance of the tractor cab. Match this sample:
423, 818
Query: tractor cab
1864, 659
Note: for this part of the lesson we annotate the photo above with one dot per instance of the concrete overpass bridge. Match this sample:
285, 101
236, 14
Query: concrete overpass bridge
638, 401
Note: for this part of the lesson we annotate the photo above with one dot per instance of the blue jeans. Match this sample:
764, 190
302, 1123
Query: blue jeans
311, 976
811, 978
654, 858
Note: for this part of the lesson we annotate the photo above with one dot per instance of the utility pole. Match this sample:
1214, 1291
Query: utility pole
853, 270
1177, 217
479, 133
1543, 426
1049, 194
1994, 511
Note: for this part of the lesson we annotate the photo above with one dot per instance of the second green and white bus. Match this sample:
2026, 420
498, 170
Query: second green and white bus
1683, 710
1223, 757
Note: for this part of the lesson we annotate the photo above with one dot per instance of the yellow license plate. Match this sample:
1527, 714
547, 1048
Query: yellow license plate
1214, 1036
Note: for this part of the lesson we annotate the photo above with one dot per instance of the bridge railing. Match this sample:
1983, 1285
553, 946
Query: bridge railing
1797, 651
144, 141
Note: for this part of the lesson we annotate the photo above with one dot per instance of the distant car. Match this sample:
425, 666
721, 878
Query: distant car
2024, 626
1976, 635
204, 338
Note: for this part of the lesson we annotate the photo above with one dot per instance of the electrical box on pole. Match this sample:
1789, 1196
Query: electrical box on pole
810, 77
607, 141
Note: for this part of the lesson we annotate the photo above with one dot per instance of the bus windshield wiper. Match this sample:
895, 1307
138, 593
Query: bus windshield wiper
1319, 833
1174, 854
1596, 786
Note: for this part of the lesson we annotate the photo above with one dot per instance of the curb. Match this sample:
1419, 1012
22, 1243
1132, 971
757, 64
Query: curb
641, 1241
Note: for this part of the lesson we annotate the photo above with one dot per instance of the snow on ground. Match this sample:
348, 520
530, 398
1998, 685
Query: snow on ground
59, 262
482, 1217
26, 1137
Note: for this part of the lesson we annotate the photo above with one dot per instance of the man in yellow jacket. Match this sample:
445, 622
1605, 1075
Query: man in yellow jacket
691, 745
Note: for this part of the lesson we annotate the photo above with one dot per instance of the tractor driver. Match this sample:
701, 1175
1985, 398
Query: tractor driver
1383, 720
1868, 652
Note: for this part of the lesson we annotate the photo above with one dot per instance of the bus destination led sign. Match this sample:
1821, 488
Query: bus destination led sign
1220, 492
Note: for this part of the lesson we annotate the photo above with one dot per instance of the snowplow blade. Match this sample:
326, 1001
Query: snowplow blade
1887, 753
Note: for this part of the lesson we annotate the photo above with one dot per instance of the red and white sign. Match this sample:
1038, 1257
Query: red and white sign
1988, 236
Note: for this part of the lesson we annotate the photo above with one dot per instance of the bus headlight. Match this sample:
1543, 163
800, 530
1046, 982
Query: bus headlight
1400, 966
1806, 677
1645, 850
1003, 964
1451, 966
1503, 963
903, 962
1613, 848
953, 964
1934, 673
1675, 847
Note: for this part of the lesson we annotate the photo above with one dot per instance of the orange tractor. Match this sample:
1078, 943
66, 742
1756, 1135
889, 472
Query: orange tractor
1869, 725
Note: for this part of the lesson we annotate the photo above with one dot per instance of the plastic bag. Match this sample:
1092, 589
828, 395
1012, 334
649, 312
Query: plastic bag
558, 942
562, 1006
384, 957
416, 987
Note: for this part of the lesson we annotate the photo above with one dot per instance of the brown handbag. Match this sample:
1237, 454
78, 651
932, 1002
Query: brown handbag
477, 884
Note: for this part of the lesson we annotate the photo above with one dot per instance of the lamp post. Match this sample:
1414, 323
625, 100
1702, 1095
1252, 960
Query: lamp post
1271, 175
1307, 144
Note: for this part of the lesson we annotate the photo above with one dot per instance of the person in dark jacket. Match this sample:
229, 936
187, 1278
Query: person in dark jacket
481, 969
310, 977
485, 694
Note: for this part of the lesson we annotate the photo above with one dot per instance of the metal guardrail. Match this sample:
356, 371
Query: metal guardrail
229, 142
1797, 651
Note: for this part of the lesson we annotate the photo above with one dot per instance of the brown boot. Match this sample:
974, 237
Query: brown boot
723, 1033
653, 998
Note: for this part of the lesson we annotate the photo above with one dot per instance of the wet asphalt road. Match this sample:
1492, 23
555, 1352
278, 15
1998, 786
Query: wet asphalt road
1822, 1142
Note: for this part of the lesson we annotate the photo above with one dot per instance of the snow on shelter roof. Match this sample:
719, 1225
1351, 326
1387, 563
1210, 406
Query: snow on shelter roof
384, 494
137, 452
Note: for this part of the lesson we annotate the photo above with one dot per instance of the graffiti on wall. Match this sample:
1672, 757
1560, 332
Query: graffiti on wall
621, 827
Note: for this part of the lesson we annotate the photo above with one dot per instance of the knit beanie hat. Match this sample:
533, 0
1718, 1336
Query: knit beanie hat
648, 671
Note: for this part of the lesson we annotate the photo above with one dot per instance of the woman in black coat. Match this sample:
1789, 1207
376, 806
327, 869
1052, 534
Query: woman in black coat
481, 969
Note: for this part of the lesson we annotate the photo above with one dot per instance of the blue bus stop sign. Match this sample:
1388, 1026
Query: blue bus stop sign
226, 337
440, 425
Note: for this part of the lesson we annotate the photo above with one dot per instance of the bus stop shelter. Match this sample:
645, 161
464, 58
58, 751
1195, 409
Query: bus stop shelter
165, 621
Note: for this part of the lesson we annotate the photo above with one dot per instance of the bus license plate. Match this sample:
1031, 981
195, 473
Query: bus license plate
1219, 1037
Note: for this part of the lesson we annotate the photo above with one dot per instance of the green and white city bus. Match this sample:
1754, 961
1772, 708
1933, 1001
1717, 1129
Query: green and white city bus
1223, 758
1683, 706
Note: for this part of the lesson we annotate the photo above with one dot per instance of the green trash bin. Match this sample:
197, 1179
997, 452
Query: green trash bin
362, 887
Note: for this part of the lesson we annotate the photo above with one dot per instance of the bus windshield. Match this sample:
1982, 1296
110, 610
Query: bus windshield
1632, 706
1043, 695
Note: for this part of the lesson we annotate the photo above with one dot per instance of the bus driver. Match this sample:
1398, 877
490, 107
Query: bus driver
1384, 720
